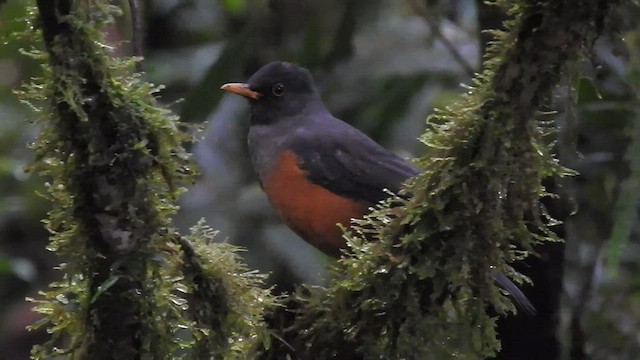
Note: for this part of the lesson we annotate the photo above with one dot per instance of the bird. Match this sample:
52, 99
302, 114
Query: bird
316, 170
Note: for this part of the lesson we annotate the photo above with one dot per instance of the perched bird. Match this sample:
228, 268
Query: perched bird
317, 170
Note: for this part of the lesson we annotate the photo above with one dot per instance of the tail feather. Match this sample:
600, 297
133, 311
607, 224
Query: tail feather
519, 298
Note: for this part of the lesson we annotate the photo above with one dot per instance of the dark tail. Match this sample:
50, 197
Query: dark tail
519, 298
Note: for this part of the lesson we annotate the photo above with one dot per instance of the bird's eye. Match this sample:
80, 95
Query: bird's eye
278, 89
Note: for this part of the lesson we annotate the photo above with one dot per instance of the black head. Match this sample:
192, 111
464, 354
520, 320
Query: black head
278, 90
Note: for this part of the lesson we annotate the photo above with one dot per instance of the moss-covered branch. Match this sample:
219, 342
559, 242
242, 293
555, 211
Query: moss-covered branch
426, 289
108, 151
227, 302
115, 164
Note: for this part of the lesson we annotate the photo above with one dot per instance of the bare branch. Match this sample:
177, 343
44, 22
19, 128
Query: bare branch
136, 29
435, 31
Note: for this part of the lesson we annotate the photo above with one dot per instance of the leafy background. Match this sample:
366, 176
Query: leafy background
380, 68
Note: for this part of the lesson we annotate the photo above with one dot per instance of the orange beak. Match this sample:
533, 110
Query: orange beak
241, 89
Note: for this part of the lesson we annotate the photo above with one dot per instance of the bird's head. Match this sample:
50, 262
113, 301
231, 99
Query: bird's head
278, 90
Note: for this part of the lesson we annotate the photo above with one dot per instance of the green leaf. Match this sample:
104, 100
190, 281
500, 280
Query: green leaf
5, 265
587, 92
234, 7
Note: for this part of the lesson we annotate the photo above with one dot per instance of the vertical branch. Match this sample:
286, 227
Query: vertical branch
109, 154
137, 35
115, 163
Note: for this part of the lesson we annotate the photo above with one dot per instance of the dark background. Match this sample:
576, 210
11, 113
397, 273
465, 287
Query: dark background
380, 68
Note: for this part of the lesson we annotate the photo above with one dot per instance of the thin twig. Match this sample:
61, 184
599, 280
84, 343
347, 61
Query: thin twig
136, 28
435, 31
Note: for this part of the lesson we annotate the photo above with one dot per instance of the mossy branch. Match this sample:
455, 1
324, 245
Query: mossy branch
108, 152
116, 163
425, 289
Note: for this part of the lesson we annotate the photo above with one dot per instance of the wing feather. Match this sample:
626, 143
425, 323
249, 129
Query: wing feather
352, 166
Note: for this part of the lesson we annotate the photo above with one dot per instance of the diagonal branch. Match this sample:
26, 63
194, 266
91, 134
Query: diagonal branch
435, 31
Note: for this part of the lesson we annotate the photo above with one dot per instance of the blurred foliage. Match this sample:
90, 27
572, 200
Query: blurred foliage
628, 199
25, 262
387, 73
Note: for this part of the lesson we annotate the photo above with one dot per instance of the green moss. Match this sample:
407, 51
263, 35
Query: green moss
115, 163
425, 288
227, 300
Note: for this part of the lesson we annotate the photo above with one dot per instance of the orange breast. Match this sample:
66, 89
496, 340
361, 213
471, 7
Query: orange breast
312, 211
